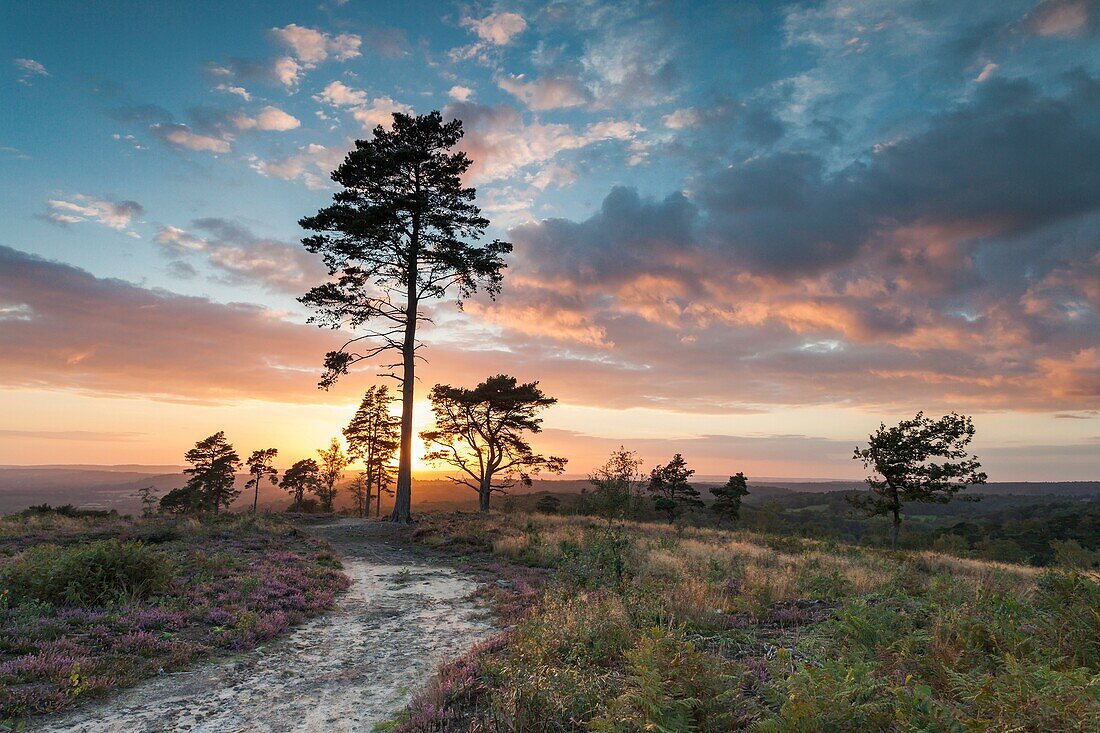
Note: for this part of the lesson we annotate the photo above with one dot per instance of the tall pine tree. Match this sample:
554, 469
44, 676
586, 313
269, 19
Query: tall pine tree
403, 229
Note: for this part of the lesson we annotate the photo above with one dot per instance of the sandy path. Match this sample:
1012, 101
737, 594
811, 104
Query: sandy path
345, 671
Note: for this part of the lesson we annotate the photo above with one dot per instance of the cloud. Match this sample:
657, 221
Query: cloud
114, 214
501, 144
269, 118
460, 93
340, 95
1067, 18
312, 164
242, 258
312, 46
182, 136
546, 92
993, 166
681, 118
28, 69
497, 28
287, 71
379, 112
104, 336
239, 91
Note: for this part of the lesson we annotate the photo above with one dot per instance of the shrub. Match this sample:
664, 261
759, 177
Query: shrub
92, 574
672, 686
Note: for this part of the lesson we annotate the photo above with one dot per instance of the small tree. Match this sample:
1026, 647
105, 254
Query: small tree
333, 463
373, 437
670, 490
402, 229
359, 488
303, 476
903, 470
480, 431
148, 497
548, 504
614, 484
213, 470
727, 498
259, 468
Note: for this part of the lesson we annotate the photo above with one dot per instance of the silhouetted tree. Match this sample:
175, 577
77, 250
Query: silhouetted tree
727, 497
259, 468
184, 500
303, 476
359, 488
548, 504
373, 439
903, 469
670, 490
148, 497
403, 229
213, 470
333, 463
480, 431
614, 484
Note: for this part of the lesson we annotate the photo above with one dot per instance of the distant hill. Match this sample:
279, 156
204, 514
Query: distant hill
115, 487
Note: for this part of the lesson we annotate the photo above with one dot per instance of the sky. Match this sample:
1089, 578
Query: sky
744, 231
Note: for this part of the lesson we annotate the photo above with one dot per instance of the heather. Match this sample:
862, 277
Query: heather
92, 603
647, 626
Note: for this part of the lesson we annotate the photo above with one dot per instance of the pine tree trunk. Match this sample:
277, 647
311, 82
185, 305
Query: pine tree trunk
402, 503
894, 529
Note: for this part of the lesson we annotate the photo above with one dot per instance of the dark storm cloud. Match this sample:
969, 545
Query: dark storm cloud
1012, 160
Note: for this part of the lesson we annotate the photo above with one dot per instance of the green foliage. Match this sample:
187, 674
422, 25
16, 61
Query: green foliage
727, 498
903, 470
614, 485
670, 490
213, 470
92, 574
1069, 554
672, 687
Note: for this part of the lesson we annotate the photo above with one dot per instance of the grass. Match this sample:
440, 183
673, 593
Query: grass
92, 603
658, 628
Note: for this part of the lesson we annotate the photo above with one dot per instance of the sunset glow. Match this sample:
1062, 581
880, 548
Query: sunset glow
747, 232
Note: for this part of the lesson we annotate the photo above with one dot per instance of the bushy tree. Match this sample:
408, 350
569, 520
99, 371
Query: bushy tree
614, 485
259, 468
670, 490
904, 469
480, 432
402, 229
548, 504
373, 437
213, 470
304, 476
727, 497
332, 465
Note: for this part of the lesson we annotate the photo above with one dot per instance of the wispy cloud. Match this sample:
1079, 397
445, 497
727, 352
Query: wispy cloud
29, 69
80, 208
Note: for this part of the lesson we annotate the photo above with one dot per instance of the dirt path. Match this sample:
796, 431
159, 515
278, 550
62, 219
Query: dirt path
346, 671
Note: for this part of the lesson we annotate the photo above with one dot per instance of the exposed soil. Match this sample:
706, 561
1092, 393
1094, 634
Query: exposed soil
346, 671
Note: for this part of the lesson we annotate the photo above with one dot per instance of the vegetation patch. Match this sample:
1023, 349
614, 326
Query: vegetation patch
91, 603
646, 626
